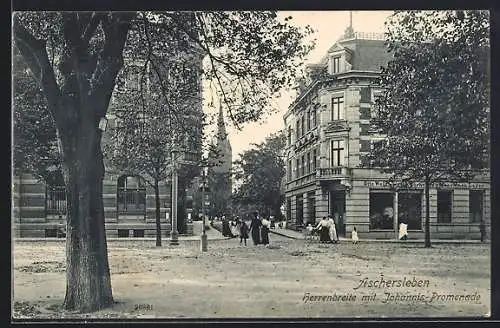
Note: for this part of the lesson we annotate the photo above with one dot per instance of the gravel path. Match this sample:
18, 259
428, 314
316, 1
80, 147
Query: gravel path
285, 280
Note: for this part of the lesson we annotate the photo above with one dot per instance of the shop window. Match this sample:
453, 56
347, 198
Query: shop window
476, 198
381, 211
410, 209
444, 206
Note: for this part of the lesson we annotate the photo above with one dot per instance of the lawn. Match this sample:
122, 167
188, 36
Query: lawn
287, 280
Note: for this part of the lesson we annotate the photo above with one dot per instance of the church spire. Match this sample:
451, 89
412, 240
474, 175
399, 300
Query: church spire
221, 125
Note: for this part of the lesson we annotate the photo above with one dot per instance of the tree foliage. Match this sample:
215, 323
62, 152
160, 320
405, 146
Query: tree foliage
157, 110
75, 58
35, 139
435, 109
261, 171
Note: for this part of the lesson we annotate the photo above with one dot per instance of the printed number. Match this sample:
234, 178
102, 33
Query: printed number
148, 307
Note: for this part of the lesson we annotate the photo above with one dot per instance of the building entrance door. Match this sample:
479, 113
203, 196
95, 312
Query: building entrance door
337, 210
299, 222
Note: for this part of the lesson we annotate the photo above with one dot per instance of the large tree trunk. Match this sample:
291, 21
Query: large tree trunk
427, 218
158, 217
77, 102
88, 282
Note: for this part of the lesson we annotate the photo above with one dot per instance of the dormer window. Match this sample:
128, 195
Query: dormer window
336, 64
339, 59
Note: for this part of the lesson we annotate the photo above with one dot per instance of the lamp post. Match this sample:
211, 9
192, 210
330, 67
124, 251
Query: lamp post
174, 234
204, 239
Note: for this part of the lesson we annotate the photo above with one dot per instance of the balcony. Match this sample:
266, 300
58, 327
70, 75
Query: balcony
332, 173
320, 174
310, 177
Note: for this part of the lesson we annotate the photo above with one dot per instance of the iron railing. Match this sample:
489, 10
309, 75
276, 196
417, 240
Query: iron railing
131, 201
55, 200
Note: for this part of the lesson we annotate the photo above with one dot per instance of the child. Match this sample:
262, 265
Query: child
354, 236
309, 232
243, 232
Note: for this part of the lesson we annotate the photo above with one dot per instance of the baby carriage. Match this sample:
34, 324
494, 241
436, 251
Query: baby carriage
311, 233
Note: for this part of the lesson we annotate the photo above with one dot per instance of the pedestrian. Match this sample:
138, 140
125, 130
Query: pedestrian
354, 236
332, 230
234, 227
264, 231
243, 231
255, 228
323, 230
226, 228
403, 231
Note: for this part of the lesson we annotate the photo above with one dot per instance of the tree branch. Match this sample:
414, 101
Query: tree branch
35, 55
110, 60
91, 27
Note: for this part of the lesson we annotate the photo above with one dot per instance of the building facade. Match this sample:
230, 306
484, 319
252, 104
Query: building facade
328, 130
39, 207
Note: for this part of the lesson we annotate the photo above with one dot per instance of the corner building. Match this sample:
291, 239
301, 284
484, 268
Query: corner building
328, 130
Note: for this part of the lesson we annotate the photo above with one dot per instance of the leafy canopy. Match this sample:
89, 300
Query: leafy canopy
435, 109
261, 171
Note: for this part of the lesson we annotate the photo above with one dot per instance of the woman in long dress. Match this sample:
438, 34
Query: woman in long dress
332, 231
323, 230
255, 229
226, 230
264, 231
235, 227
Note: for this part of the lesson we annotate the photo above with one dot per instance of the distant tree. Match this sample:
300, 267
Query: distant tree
35, 139
435, 109
147, 131
75, 58
261, 171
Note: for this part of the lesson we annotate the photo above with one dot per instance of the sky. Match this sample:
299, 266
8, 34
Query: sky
329, 26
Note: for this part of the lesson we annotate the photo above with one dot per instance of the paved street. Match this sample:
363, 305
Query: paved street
286, 280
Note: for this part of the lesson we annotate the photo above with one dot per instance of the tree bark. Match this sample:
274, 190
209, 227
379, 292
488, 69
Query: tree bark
88, 281
76, 107
427, 216
158, 217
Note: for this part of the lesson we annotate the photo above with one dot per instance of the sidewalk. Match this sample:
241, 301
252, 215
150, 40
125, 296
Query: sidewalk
298, 235
212, 235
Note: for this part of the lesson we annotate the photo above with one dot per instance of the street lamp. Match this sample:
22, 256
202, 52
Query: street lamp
204, 239
174, 234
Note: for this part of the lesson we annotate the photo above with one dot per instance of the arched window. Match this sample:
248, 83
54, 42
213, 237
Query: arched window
55, 194
131, 195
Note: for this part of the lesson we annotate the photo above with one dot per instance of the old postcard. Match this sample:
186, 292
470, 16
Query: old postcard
250, 164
